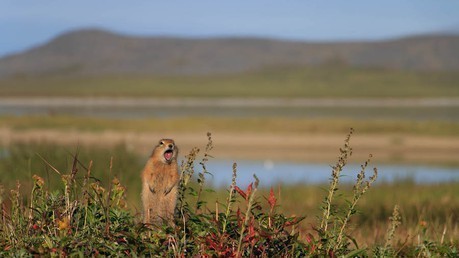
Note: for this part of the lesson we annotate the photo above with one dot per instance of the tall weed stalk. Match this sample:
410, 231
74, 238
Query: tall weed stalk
335, 221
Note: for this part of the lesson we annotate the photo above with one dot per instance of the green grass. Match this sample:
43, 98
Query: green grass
309, 82
20, 162
259, 125
74, 214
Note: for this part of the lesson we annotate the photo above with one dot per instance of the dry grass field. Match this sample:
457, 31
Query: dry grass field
388, 147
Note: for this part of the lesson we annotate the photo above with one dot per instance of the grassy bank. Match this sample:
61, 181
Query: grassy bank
309, 82
278, 139
231, 124
426, 219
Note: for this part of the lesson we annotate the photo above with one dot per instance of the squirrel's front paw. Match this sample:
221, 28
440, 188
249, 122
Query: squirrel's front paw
152, 189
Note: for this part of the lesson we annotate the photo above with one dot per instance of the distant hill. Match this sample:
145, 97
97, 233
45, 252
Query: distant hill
95, 52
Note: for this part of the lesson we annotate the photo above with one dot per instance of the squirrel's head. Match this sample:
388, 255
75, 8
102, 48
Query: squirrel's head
166, 151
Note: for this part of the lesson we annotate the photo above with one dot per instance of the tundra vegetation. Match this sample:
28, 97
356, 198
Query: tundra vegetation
85, 203
326, 81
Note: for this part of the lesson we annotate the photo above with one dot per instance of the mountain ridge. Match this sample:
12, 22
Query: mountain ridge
98, 52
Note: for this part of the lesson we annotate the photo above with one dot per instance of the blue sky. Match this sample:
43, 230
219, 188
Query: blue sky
26, 23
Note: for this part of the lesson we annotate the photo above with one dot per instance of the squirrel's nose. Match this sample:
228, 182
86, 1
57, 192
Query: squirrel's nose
171, 146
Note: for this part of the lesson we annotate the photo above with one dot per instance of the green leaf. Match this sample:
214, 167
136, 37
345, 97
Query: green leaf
356, 253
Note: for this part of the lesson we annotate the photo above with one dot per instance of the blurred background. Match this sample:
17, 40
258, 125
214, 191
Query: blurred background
278, 85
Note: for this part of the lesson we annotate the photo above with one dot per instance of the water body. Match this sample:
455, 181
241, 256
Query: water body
272, 173
421, 109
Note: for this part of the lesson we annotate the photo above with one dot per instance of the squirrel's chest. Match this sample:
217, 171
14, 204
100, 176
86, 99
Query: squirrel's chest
161, 174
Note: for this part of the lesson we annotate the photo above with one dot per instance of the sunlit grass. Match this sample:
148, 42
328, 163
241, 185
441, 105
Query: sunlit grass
230, 124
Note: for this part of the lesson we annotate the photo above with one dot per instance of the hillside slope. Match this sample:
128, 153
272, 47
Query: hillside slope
95, 52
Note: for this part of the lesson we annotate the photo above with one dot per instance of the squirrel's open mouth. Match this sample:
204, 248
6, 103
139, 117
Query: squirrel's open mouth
168, 154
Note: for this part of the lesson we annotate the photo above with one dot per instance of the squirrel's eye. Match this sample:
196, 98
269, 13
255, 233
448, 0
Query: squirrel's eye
161, 142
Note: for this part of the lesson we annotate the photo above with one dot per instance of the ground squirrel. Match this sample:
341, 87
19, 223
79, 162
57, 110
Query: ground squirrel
160, 182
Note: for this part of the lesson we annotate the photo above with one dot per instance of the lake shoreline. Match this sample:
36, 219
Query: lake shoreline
226, 102
294, 147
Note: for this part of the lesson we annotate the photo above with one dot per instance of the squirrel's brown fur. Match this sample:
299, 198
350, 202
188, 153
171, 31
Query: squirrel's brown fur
159, 183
